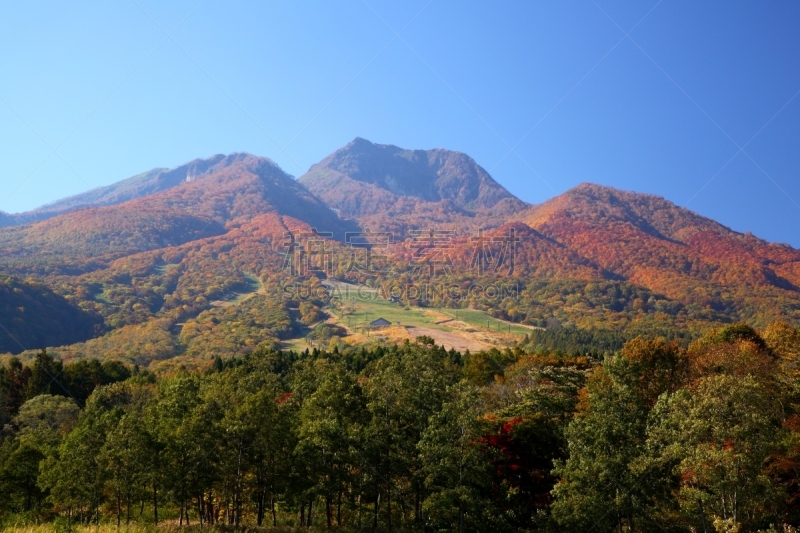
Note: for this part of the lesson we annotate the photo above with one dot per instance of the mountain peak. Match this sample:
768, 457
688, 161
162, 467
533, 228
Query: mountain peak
360, 141
367, 179
144, 184
602, 204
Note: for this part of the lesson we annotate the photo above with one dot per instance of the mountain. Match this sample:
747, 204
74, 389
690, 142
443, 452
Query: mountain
247, 188
653, 243
222, 194
195, 262
150, 182
32, 316
534, 256
383, 185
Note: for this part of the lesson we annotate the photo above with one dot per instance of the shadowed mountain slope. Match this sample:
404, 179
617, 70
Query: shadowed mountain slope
33, 317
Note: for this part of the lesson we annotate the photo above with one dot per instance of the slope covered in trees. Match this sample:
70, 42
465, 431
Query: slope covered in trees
91, 238
656, 244
32, 316
653, 436
238, 190
169, 270
146, 183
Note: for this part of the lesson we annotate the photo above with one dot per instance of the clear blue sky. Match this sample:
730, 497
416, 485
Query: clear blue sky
661, 111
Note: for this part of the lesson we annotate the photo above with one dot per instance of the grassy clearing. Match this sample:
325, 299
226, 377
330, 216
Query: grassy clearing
254, 285
359, 305
481, 320
163, 269
102, 298
359, 310
298, 345
355, 306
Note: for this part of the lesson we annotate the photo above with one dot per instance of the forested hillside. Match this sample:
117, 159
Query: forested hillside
672, 251
204, 260
411, 437
146, 183
31, 315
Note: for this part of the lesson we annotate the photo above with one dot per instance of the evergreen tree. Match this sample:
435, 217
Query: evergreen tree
455, 466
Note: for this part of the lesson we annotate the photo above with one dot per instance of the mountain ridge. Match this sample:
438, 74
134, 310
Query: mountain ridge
654, 243
370, 182
170, 245
190, 210
138, 186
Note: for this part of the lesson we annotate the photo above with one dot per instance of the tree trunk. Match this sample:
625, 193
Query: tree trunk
360, 493
237, 488
358, 506
272, 507
402, 513
302, 514
377, 510
702, 515
339, 510
388, 471
389, 506
310, 508
328, 510
155, 503
260, 508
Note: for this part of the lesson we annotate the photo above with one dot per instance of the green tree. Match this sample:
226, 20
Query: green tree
45, 376
185, 430
273, 450
35, 432
601, 483
74, 474
404, 389
330, 421
717, 437
124, 455
455, 465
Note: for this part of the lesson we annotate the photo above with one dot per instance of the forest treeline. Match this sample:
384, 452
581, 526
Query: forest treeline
654, 436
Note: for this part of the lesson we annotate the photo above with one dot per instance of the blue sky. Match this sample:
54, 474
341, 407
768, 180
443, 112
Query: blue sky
698, 103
